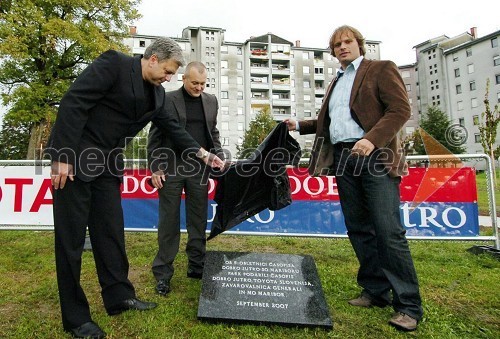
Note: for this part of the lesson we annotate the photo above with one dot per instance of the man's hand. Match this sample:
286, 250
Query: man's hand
214, 161
292, 124
59, 172
363, 147
157, 179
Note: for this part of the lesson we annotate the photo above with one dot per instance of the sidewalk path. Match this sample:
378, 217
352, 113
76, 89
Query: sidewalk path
485, 220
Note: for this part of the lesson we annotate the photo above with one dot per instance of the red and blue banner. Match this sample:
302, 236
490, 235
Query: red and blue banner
434, 202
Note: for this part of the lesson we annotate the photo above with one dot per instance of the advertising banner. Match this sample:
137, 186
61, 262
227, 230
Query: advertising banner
434, 202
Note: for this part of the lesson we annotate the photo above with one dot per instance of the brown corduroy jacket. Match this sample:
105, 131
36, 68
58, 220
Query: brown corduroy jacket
379, 104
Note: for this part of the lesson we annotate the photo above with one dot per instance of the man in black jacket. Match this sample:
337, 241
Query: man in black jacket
174, 173
112, 100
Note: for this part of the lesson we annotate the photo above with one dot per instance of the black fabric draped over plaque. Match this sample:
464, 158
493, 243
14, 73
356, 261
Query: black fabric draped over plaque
256, 183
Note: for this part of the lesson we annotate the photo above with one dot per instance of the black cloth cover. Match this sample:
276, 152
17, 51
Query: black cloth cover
256, 183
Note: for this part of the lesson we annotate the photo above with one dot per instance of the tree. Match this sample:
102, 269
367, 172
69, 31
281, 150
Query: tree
488, 128
258, 130
44, 45
14, 140
437, 124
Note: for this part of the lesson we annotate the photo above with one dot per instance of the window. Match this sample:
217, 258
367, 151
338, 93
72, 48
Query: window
305, 69
224, 110
460, 105
475, 120
239, 65
224, 95
239, 51
240, 95
305, 55
468, 52
498, 97
142, 43
496, 60
494, 42
409, 130
497, 79
240, 126
472, 85
239, 80
307, 84
307, 113
223, 64
225, 141
224, 79
307, 97
461, 122
240, 110
223, 49
477, 138
455, 57
318, 70
405, 74
408, 87
225, 126
457, 72
473, 102
470, 68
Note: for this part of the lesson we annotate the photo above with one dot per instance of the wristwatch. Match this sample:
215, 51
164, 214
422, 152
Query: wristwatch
204, 155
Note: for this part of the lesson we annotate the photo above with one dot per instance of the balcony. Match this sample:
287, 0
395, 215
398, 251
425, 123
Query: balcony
280, 70
259, 70
281, 102
319, 90
258, 53
281, 83
280, 56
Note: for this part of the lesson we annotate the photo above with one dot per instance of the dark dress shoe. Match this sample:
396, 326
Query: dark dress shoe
131, 304
88, 330
194, 275
163, 287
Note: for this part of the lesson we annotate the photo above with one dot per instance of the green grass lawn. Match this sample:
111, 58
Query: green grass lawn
482, 195
459, 290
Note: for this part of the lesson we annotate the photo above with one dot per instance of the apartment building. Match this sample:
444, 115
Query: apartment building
265, 70
452, 74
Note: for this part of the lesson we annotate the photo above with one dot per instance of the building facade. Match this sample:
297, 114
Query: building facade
452, 74
291, 80
263, 71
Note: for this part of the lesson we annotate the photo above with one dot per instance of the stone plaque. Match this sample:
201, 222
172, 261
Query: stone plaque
281, 289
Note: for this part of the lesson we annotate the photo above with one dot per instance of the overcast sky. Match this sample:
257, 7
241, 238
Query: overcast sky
399, 25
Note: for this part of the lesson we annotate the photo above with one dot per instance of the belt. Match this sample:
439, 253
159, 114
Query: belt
343, 145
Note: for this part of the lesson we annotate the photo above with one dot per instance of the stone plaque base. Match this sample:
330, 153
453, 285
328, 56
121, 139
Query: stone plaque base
262, 288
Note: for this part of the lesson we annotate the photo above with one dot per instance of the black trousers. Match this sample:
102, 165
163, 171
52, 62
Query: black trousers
96, 205
196, 204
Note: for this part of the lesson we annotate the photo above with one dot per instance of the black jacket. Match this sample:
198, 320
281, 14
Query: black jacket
102, 111
257, 183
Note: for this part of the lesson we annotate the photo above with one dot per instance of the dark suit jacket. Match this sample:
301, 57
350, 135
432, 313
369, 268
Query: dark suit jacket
102, 111
379, 104
164, 157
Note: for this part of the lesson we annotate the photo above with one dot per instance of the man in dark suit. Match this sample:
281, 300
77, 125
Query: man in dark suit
357, 141
173, 172
112, 100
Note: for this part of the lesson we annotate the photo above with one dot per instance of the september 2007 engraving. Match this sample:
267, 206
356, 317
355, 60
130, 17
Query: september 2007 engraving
262, 288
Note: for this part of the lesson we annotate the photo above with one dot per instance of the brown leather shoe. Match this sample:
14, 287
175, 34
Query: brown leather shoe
361, 301
403, 322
